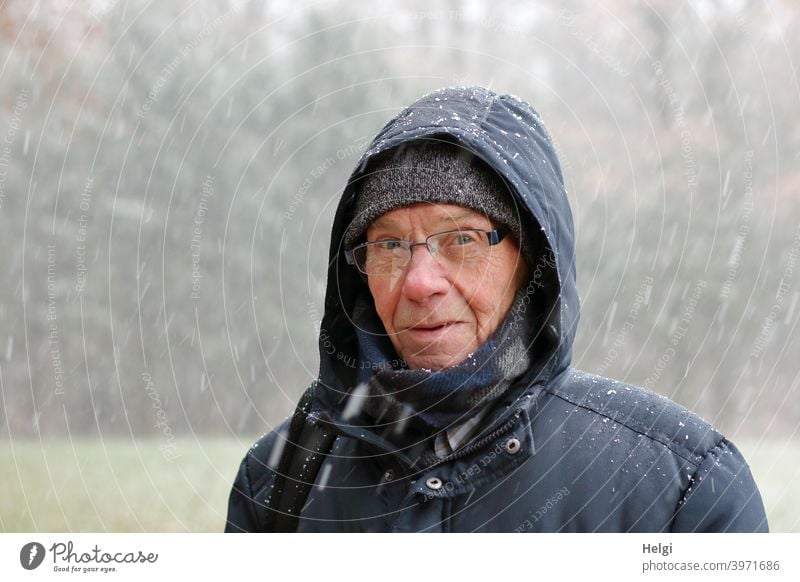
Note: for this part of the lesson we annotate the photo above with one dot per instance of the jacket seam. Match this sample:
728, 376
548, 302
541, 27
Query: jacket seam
683, 497
671, 445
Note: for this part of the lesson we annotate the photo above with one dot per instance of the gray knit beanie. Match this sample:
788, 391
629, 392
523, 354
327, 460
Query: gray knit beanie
435, 172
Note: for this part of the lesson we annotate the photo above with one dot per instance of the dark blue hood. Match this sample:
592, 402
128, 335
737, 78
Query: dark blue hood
508, 134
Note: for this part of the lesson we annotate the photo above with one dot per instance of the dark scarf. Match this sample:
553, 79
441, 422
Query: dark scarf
390, 392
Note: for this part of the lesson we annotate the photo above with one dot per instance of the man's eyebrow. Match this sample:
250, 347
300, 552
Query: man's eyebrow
384, 222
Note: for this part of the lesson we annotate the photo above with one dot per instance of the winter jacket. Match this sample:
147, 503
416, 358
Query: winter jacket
562, 450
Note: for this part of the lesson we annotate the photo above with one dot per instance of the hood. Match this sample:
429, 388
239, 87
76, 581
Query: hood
507, 134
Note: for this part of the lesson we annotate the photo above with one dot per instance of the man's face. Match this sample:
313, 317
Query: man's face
436, 316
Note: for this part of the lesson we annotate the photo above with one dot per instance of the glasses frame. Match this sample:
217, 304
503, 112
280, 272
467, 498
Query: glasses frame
493, 237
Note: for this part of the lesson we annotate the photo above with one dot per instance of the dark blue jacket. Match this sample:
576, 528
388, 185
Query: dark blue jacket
562, 450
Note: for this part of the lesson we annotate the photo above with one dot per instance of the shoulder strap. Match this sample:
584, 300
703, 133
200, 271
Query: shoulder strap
306, 447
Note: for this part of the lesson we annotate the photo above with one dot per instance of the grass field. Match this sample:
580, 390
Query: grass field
117, 486
124, 486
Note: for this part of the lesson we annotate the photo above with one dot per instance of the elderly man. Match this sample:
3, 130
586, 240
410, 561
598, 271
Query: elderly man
445, 399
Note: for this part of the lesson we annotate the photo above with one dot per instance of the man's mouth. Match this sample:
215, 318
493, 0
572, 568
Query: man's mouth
428, 328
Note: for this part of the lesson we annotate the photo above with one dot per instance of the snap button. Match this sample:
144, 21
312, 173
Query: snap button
434, 483
512, 446
388, 475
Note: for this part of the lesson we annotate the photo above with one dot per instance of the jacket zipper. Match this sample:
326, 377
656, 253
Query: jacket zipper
463, 452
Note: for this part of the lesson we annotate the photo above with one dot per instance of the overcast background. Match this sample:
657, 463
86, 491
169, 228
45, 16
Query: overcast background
169, 172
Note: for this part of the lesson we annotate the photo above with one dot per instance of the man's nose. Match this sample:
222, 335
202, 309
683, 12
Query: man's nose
424, 275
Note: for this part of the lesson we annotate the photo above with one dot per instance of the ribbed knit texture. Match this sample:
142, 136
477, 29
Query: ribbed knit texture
434, 172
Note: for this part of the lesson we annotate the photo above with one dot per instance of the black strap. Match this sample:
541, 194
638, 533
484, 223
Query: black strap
306, 447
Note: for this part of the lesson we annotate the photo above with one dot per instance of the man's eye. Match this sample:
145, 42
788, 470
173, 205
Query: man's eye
464, 238
389, 245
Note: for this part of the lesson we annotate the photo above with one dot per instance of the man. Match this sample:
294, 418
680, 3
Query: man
445, 399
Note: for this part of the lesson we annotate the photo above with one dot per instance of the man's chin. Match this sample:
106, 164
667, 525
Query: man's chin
436, 358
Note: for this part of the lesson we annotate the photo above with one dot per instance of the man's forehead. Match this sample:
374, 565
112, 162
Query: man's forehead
435, 213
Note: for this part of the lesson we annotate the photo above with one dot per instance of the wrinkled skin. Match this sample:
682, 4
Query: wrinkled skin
436, 317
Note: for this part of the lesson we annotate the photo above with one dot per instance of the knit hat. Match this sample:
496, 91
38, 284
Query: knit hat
435, 172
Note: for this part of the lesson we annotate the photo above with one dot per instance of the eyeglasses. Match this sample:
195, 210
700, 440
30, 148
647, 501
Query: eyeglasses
453, 249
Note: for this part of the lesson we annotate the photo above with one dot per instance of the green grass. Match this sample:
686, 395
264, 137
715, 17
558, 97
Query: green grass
117, 486
776, 468
125, 486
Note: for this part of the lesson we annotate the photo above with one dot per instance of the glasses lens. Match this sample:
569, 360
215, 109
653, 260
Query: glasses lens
460, 248
457, 249
382, 257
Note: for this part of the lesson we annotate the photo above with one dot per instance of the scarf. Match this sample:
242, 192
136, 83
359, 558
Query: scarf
390, 392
